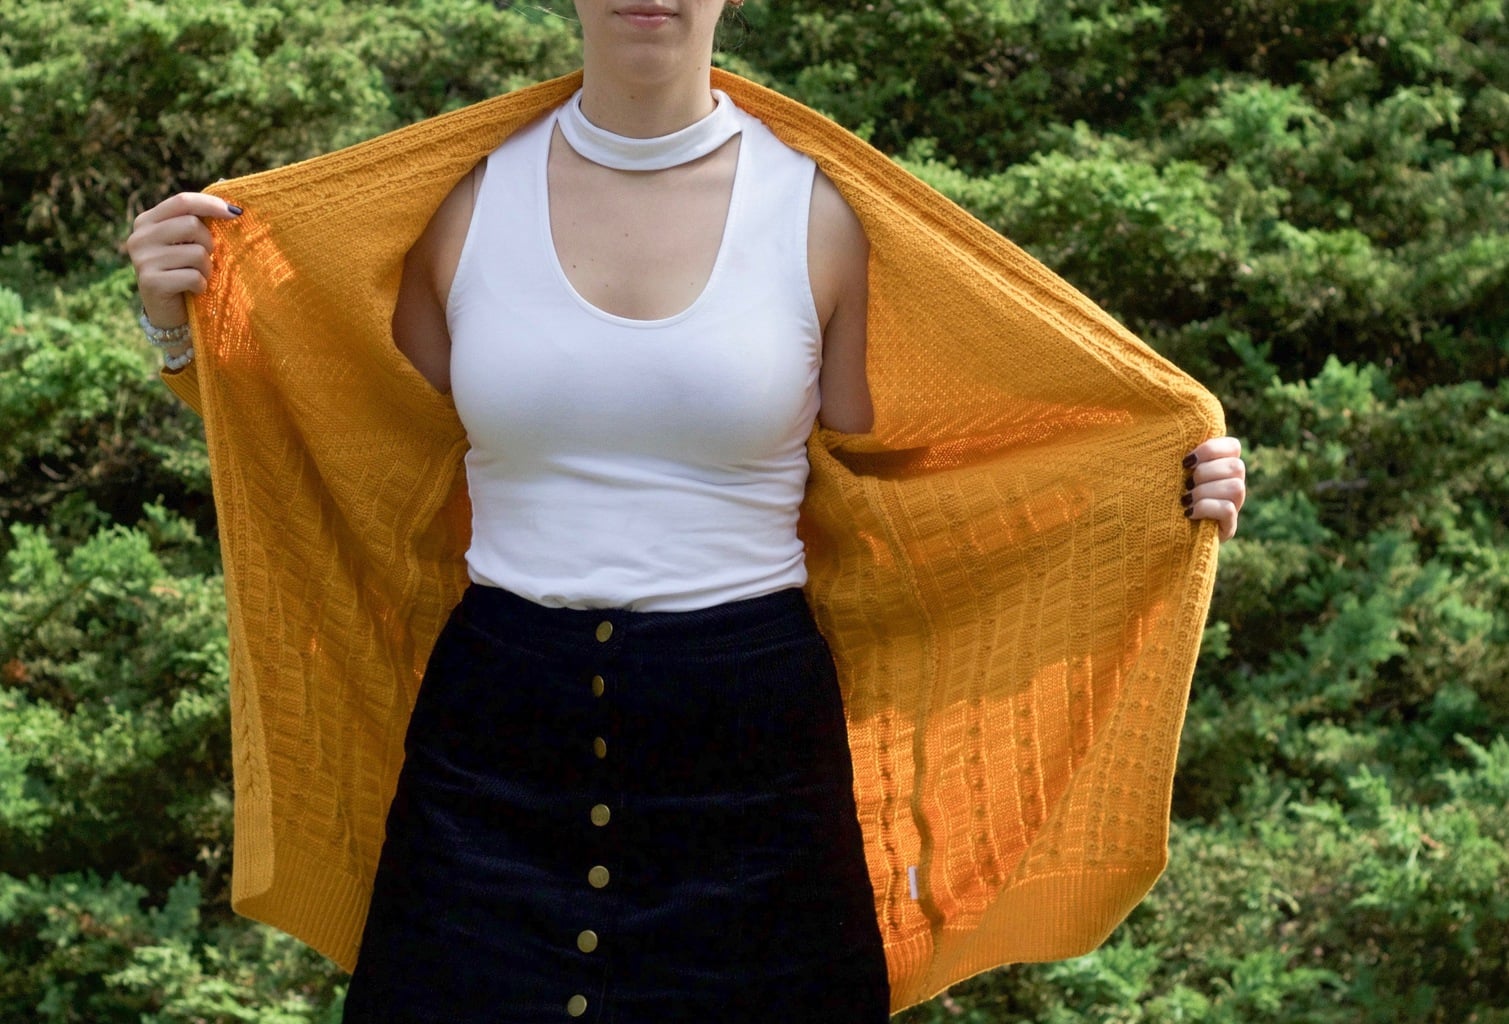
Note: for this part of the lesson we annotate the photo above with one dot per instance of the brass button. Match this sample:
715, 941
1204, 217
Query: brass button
604, 631
598, 877
587, 941
601, 814
598, 686
576, 1005
600, 748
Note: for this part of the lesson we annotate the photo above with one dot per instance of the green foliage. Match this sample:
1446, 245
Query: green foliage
1327, 176
1382, 555
86, 432
102, 955
1304, 202
126, 102
1384, 911
117, 673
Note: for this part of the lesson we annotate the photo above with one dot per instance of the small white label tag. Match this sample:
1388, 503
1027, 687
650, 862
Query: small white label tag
911, 879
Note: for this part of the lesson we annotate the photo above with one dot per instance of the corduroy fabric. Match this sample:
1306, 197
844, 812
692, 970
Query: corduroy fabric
1013, 599
734, 885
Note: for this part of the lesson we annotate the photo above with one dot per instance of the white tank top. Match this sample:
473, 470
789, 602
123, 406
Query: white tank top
656, 465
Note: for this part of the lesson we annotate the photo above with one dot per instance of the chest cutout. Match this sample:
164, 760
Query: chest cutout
636, 244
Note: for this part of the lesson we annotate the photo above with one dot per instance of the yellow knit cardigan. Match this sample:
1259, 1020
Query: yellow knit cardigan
1012, 596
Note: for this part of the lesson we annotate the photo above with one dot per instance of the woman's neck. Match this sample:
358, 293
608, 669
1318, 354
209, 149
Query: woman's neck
643, 108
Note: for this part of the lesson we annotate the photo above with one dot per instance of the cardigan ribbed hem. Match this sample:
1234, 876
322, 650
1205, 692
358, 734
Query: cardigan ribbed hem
315, 902
1062, 928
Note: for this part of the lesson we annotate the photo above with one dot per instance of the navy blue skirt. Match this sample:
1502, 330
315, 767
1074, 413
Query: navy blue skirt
626, 817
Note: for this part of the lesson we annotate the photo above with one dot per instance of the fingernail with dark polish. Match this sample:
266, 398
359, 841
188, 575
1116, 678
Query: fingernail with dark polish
1191, 460
1187, 500
235, 211
1189, 483
1189, 513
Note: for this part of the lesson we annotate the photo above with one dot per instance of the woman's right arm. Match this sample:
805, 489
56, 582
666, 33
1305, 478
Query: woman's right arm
420, 329
170, 248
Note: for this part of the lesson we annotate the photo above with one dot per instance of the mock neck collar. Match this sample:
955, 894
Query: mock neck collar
623, 153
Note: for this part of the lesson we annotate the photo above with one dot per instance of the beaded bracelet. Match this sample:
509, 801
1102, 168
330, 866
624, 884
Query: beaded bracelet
179, 361
163, 337
166, 338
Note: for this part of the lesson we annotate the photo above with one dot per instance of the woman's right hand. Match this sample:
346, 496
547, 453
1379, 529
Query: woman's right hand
170, 248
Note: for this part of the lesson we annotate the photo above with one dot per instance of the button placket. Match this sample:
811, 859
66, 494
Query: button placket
589, 939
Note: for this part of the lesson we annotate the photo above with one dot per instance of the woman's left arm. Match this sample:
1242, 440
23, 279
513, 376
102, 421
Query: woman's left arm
1215, 483
838, 258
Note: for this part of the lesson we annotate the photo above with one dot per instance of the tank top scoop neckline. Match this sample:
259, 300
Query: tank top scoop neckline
553, 256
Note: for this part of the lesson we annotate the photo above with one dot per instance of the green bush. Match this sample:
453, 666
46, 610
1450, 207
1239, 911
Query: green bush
110, 106
1304, 203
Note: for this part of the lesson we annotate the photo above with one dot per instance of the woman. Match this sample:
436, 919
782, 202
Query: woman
603, 817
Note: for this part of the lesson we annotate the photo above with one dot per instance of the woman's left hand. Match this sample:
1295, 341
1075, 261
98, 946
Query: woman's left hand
1215, 483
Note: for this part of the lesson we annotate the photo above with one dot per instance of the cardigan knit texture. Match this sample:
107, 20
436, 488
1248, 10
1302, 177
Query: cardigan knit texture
1011, 594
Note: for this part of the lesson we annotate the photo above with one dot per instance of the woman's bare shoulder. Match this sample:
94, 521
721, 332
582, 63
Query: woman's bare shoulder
834, 223
838, 256
440, 245
419, 321
837, 249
